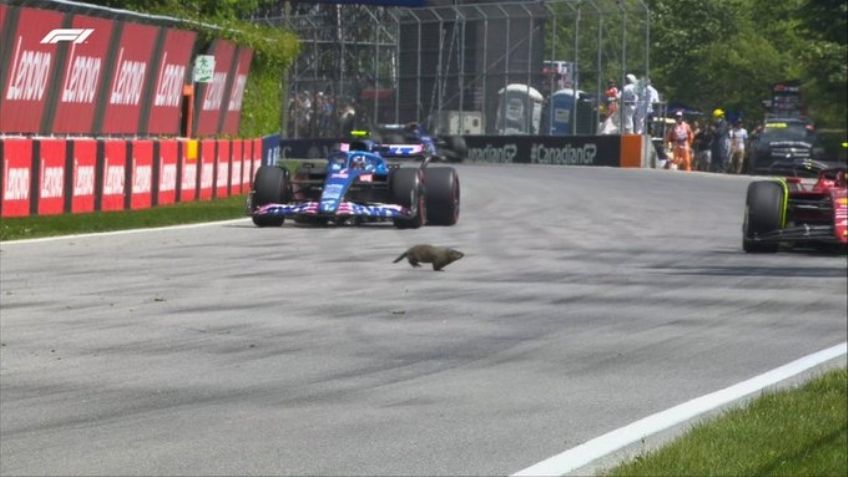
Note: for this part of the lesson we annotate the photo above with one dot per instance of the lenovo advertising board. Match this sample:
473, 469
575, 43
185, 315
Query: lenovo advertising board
141, 171
206, 162
114, 175
211, 95
83, 165
222, 174
27, 69
51, 176
166, 165
189, 168
232, 115
127, 79
236, 166
79, 87
171, 74
17, 177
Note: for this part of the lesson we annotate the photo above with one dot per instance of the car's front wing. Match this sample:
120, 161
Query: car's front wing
386, 211
802, 233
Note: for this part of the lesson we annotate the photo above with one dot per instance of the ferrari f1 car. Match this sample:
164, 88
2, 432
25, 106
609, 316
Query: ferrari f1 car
357, 185
796, 210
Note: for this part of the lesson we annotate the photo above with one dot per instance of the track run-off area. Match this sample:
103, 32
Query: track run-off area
588, 299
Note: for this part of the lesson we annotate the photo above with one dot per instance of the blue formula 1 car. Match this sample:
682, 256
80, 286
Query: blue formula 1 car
359, 186
411, 141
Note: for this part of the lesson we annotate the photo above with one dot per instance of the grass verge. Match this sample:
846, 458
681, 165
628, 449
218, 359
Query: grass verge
797, 432
182, 213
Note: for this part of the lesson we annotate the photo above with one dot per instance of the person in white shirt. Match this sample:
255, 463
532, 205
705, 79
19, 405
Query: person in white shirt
738, 137
629, 99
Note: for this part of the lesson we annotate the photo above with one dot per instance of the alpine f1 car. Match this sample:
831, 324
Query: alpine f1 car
794, 210
411, 141
357, 185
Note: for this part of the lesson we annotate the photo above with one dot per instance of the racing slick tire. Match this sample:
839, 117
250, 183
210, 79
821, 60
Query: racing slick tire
763, 214
271, 186
454, 149
442, 195
406, 189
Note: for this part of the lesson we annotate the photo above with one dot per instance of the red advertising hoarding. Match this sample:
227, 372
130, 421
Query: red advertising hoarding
222, 176
51, 175
84, 164
171, 75
17, 177
232, 115
82, 76
141, 184
246, 165
114, 175
126, 86
188, 173
211, 95
207, 169
28, 74
236, 181
167, 161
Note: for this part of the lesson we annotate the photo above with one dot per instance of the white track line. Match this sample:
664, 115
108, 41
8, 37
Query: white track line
585, 453
122, 232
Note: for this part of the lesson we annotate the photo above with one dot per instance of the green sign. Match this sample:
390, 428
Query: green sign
204, 68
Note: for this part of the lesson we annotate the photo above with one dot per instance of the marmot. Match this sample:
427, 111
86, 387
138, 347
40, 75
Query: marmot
440, 257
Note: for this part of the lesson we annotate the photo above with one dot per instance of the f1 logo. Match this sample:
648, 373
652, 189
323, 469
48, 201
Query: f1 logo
76, 35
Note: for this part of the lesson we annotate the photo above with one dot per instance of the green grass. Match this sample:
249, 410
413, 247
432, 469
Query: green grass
182, 213
798, 432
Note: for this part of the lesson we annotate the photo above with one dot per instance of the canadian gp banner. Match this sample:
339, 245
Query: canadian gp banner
17, 177
166, 164
83, 166
222, 175
188, 171
81, 78
171, 74
51, 176
211, 95
126, 83
114, 175
27, 65
232, 115
236, 181
207, 169
141, 171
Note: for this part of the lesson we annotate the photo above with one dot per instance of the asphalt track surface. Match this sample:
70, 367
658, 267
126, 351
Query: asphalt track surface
588, 298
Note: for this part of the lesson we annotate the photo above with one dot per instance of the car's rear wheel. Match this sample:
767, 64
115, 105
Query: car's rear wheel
270, 186
406, 189
763, 214
442, 195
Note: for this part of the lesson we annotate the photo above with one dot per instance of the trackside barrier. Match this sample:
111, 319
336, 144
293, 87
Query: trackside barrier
222, 175
54, 176
206, 161
609, 151
165, 169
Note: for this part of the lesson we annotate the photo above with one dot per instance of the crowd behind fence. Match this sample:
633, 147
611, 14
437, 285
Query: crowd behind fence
460, 68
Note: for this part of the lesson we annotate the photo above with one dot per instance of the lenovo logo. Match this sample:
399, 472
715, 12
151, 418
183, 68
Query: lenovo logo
81, 82
29, 75
76, 35
128, 82
215, 92
169, 86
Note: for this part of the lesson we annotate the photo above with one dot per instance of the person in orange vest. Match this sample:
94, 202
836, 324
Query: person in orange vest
680, 137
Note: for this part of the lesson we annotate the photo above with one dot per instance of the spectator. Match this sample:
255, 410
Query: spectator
720, 146
701, 147
611, 97
629, 99
680, 137
738, 138
648, 96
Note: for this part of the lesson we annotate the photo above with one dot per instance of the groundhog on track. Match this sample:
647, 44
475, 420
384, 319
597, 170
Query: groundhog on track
440, 257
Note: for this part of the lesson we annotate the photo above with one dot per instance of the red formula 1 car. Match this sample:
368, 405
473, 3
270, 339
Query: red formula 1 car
793, 210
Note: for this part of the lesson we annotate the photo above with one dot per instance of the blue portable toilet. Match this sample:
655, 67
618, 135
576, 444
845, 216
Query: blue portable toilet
559, 113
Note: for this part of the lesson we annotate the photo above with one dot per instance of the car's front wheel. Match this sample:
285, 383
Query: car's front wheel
764, 213
270, 186
406, 189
